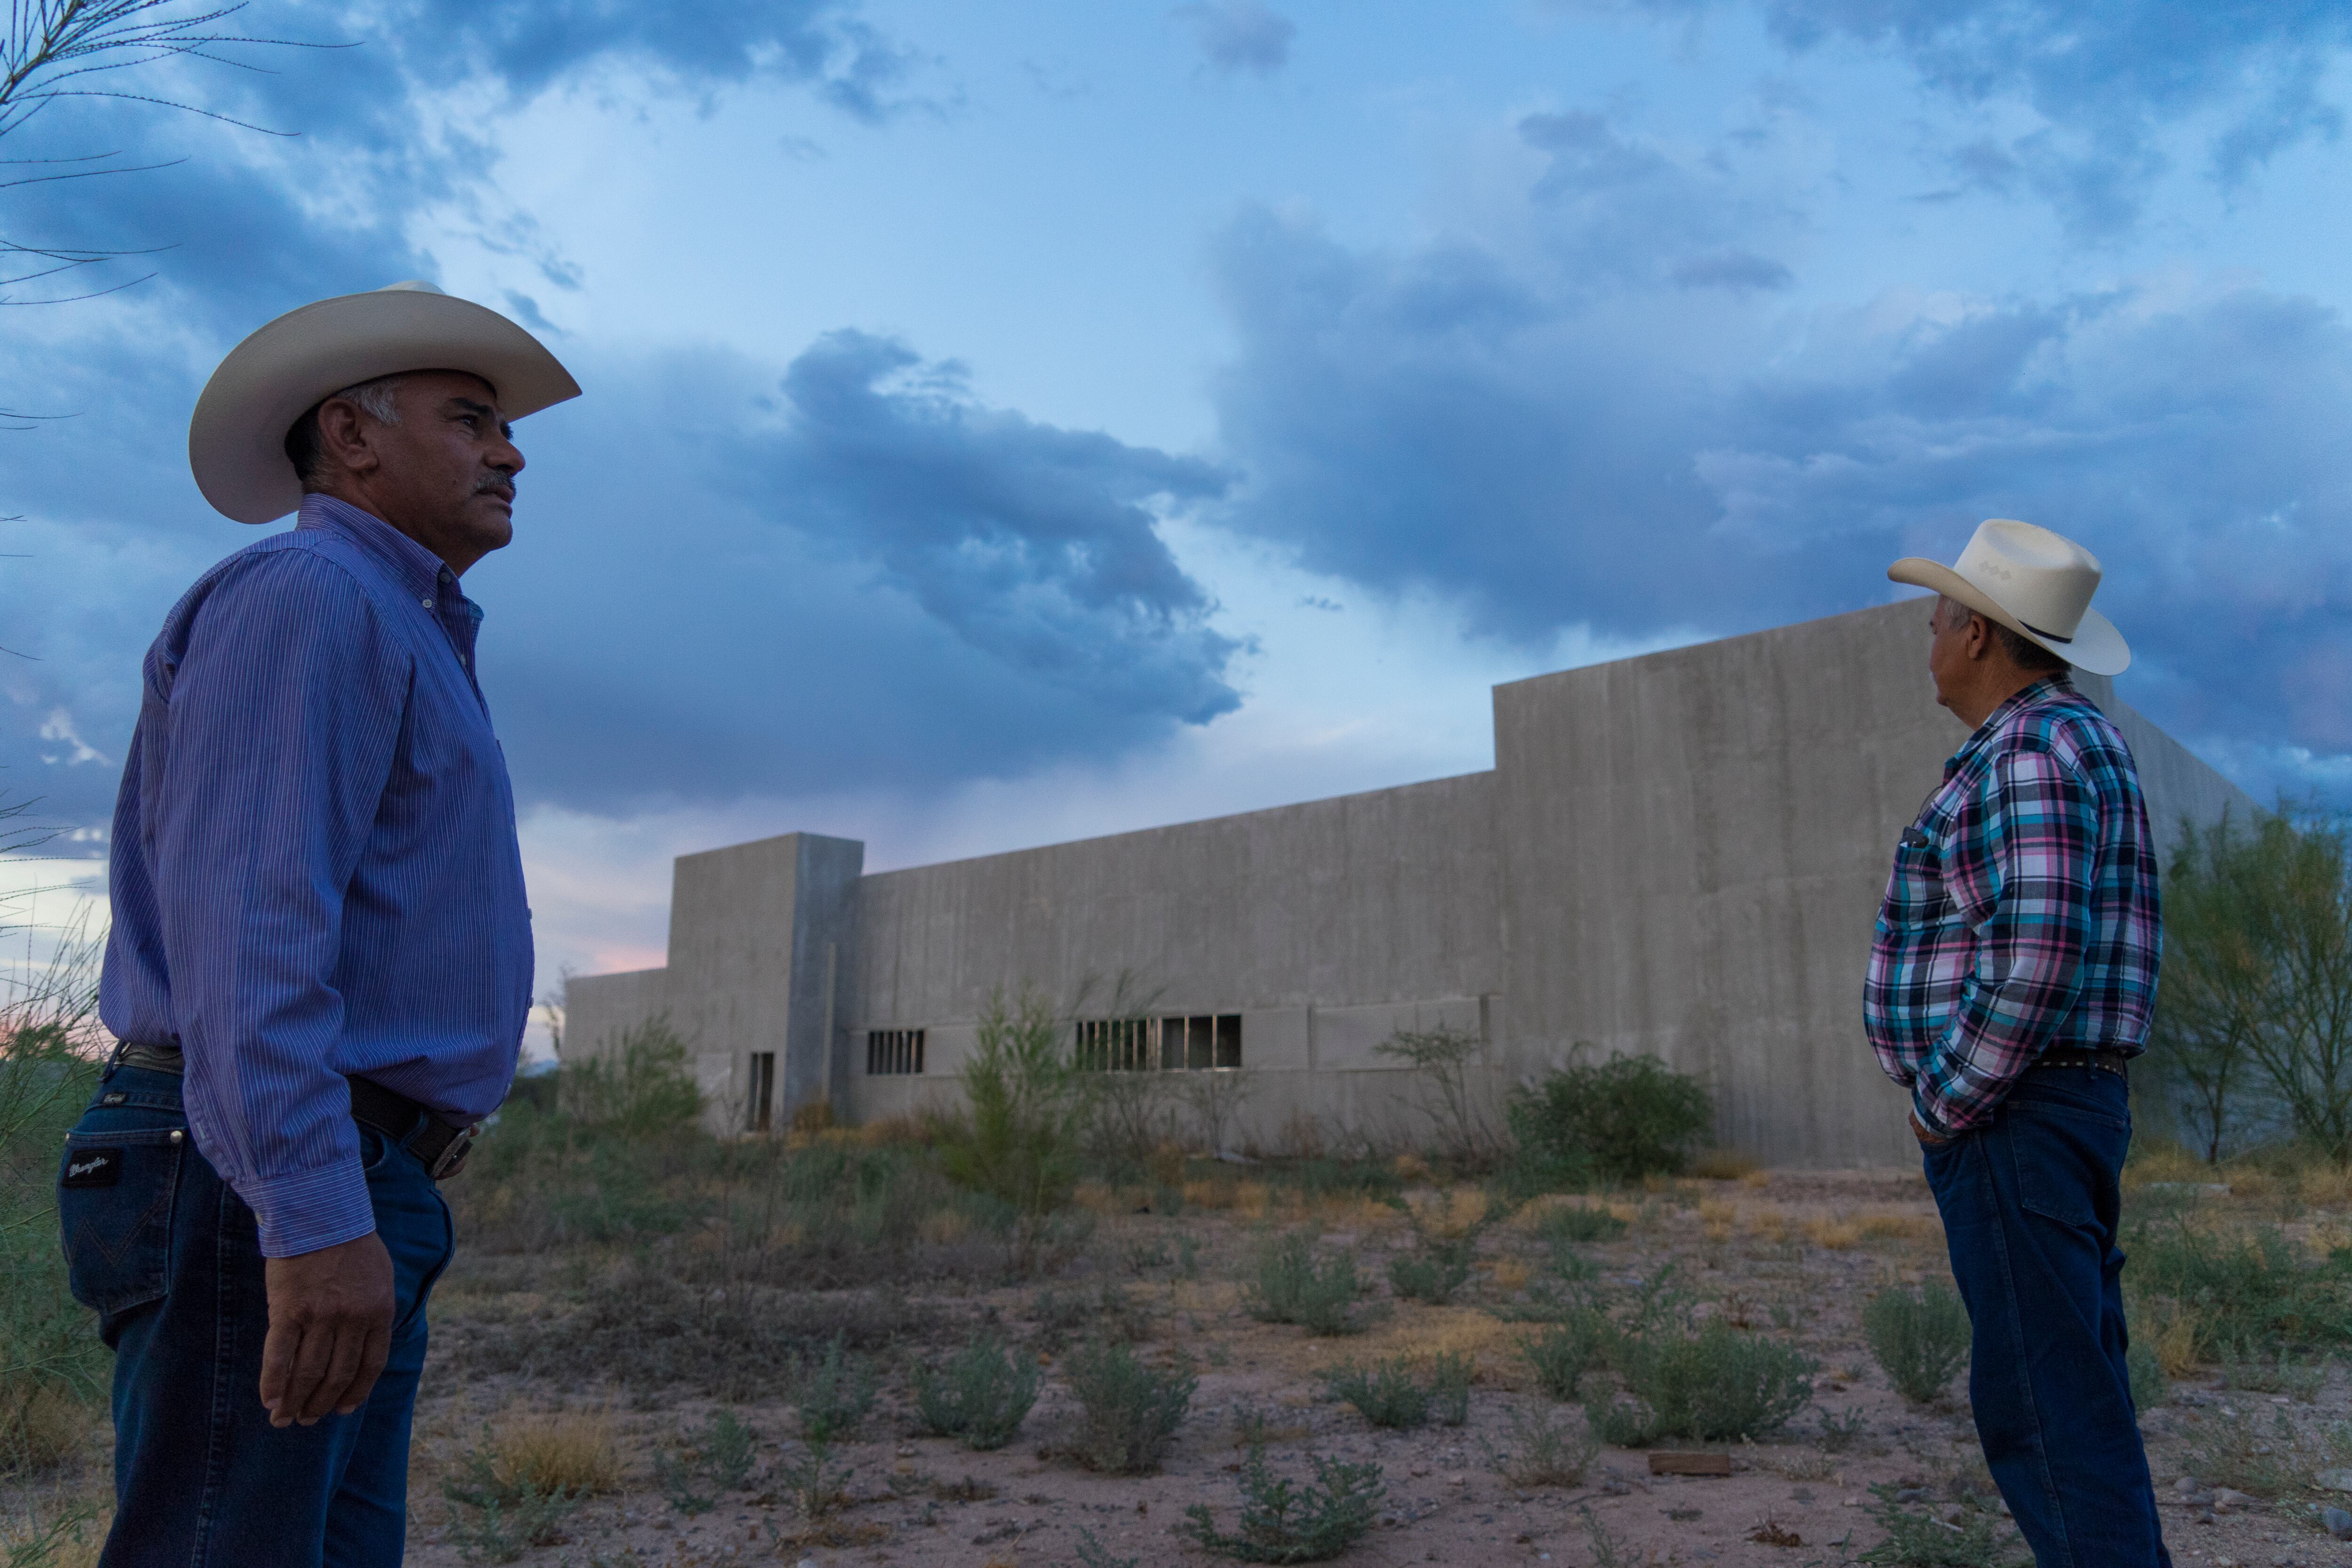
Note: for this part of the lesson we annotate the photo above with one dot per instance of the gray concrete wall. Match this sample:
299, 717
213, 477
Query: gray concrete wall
599, 1008
1365, 913
1680, 854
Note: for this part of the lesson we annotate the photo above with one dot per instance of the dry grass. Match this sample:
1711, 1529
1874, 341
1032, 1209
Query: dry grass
542, 1450
1424, 1333
1833, 1233
2155, 1161
1449, 1214
1411, 1167
1724, 1164
2324, 1185
42, 1427
1885, 1225
1510, 1275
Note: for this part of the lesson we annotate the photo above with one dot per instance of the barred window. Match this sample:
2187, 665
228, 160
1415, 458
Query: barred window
892, 1051
1175, 1043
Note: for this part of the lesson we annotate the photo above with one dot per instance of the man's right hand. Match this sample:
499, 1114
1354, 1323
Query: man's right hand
330, 1330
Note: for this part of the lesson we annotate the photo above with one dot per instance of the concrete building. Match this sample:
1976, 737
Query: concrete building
1680, 854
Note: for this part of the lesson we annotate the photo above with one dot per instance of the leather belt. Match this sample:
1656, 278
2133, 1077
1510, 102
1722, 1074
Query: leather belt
2080, 1057
442, 1145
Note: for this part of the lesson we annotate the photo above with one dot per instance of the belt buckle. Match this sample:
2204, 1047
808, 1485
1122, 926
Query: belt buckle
452, 1159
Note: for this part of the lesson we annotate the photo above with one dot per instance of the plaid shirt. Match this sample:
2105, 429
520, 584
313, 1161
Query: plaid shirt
2021, 912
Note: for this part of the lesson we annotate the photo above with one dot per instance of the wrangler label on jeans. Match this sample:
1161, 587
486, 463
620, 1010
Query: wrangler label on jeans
92, 1168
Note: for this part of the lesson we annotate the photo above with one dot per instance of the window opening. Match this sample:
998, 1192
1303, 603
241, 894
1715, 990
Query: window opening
763, 1090
1178, 1042
889, 1052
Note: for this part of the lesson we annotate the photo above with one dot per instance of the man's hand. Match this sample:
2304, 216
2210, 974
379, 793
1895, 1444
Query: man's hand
1927, 1139
330, 1330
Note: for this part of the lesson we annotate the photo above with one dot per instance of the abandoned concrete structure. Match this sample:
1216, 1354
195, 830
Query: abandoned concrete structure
1680, 854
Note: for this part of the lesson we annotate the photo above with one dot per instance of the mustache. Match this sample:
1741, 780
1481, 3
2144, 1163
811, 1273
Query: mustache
500, 485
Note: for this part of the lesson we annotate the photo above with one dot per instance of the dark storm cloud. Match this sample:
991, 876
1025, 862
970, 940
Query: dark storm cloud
2107, 79
1649, 458
725, 583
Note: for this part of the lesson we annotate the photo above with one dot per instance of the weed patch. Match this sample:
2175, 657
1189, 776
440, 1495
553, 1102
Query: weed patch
498, 1514
1283, 1521
1713, 1385
1561, 1354
982, 1395
1617, 1121
1915, 1540
1919, 1341
1129, 1412
1542, 1452
835, 1392
1434, 1273
1292, 1288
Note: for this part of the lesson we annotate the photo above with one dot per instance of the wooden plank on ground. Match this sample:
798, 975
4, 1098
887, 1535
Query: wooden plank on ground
1671, 1462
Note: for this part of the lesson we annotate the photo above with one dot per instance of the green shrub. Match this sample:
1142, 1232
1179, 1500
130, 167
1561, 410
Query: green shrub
1713, 1385
1561, 1354
982, 1395
1285, 1522
2149, 1387
2248, 1289
1915, 1540
835, 1393
497, 1519
1542, 1453
1386, 1393
1919, 1341
637, 1087
1617, 1121
1019, 1135
1432, 1273
52, 1368
1129, 1412
1292, 1289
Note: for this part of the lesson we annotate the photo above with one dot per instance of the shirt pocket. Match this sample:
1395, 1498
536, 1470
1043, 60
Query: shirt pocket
1916, 898
115, 1192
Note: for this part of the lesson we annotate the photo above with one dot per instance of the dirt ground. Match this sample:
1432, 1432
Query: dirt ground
1795, 1256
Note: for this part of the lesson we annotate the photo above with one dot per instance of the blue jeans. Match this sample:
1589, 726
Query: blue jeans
168, 1257
2031, 1205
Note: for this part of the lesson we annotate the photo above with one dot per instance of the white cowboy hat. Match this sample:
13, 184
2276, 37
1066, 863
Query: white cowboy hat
236, 441
2036, 583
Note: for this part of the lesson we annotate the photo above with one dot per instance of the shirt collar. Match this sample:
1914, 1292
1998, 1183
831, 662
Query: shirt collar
415, 568
2050, 685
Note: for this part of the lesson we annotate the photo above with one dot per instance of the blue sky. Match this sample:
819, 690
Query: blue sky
1012, 422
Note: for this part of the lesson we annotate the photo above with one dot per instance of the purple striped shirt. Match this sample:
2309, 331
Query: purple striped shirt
2021, 910
314, 869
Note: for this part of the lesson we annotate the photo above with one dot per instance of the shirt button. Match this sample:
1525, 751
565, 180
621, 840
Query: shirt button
426, 603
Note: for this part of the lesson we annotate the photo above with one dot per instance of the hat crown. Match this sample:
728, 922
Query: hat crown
2043, 579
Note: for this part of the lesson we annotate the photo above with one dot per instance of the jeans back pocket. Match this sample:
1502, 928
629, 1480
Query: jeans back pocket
115, 1190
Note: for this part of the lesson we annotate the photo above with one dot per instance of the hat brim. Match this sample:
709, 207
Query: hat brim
2095, 645
237, 439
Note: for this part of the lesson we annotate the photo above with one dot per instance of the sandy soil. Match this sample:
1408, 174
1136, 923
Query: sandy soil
1793, 1256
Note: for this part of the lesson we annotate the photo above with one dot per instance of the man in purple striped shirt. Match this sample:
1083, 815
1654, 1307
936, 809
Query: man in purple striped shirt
2010, 981
319, 966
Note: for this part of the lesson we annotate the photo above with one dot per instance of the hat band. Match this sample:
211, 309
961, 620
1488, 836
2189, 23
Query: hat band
2037, 631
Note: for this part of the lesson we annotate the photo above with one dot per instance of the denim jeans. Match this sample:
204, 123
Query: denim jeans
168, 1257
2029, 1205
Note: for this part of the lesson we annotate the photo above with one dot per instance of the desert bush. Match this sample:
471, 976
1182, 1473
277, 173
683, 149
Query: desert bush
1434, 1271
714, 1459
2279, 1373
2247, 1288
1562, 1353
982, 1395
1019, 1135
1617, 1121
1291, 1287
1713, 1385
835, 1392
1919, 1341
1443, 1058
2149, 1387
2261, 1451
1282, 1521
496, 1512
1385, 1394
1542, 1453
1129, 1411
1921, 1540
638, 1086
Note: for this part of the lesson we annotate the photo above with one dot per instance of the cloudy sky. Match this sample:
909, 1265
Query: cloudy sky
1012, 422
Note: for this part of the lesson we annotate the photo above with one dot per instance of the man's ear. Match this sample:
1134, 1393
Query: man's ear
345, 437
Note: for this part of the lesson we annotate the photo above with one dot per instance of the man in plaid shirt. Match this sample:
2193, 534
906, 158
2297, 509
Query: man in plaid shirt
2011, 976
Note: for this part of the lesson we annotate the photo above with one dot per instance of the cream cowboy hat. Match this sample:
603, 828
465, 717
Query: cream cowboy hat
236, 441
2036, 583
